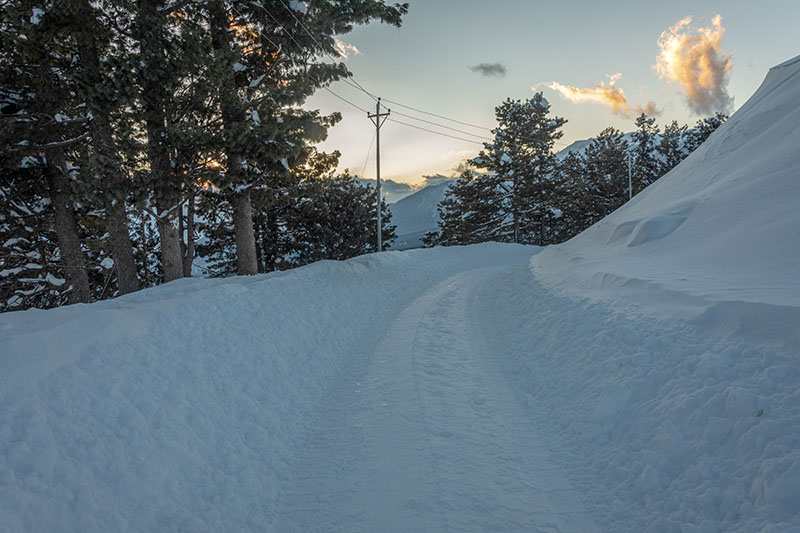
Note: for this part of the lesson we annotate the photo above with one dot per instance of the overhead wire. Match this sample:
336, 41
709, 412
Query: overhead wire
352, 82
369, 151
433, 131
323, 49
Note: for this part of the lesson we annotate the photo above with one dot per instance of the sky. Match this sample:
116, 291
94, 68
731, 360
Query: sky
461, 58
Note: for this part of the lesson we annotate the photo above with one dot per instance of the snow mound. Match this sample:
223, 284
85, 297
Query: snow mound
180, 408
715, 239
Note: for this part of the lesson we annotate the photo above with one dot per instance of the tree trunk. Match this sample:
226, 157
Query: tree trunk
171, 258
108, 166
66, 227
121, 246
246, 259
145, 265
152, 34
232, 115
515, 207
188, 256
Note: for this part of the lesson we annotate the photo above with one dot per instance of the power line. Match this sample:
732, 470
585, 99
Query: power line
369, 151
437, 116
432, 131
346, 100
354, 83
443, 126
322, 48
452, 120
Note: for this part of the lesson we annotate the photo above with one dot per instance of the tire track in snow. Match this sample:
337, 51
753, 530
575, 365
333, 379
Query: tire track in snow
427, 435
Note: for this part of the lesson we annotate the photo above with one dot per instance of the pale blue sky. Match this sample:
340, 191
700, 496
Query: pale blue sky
425, 64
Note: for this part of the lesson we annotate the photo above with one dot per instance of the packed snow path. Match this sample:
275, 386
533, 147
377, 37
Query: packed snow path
443, 389
427, 435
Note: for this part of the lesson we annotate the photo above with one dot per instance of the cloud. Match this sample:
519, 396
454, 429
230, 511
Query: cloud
608, 95
344, 49
495, 70
695, 61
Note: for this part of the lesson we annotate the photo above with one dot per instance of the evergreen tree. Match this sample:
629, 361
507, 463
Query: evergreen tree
170, 51
572, 197
672, 147
704, 128
334, 219
462, 218
103, 89
646, 168
513, 200
313, 215
266, 65
41, 120
605, 175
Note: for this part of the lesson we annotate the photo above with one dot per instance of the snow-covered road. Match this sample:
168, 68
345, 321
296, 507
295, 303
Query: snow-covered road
445, 389
426, 434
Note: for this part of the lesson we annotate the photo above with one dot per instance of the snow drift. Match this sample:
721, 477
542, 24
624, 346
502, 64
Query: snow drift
180, 407
716, 238
190, 406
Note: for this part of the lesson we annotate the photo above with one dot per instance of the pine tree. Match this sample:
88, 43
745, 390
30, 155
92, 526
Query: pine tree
462, 217
40, 122
513, 200
647, 167
334, 219
169, 46
704, 128
672, 147
572, 197
103, 92
265, 61
313, 215
605, 175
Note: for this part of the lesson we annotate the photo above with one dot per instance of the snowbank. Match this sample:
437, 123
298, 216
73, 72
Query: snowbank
180, 407
713, 240
663, 426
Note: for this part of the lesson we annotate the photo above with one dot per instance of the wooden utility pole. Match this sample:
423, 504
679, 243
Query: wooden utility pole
376, 119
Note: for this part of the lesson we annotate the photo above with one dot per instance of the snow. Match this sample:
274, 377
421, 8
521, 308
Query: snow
641, 377
301, 7
36, 15
734, 200
256, 82
181, 407
107, 263
53, 280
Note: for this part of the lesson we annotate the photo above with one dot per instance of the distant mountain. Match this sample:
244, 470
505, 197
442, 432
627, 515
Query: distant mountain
416, 214
391, 191
578, 147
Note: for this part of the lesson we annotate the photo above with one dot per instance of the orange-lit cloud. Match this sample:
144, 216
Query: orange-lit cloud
344, 49
608, 95
696, 62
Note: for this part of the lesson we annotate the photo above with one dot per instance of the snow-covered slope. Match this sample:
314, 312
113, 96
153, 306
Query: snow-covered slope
444, 389
716, 238
181, 407
578, 147
417, 214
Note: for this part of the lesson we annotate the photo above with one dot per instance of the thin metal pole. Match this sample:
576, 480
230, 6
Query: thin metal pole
376, 119
378, 169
